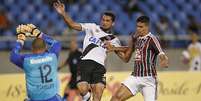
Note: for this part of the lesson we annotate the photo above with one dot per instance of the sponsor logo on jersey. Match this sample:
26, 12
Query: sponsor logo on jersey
96, 41
41, 60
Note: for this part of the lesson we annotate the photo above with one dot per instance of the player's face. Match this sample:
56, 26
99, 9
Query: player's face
106, 22
194, 37
142, 29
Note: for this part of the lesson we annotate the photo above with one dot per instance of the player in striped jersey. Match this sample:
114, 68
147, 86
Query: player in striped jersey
143, 78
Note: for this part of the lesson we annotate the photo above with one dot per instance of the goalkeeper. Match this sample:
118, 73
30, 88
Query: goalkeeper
40, 66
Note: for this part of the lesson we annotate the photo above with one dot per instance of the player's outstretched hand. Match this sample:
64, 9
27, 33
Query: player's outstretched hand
109, 47
164, 61
60, 8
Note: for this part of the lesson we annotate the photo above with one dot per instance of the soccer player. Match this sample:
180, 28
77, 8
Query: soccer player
193, 53
144, 77
91, 67
40, 66
72, 60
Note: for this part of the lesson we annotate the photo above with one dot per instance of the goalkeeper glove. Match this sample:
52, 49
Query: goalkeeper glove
21, 38
23, 29
34, 31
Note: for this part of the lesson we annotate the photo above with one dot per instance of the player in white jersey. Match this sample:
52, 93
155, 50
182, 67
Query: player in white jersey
91, 67
193, 53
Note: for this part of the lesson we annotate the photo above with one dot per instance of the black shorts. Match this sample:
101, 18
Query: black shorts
91, 72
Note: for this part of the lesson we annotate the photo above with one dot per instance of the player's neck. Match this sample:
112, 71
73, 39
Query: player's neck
194, 42
106, 30
145, 34
38, 51
73, 50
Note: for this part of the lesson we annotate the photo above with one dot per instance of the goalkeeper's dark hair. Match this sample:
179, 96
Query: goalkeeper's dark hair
143, 19
111, 14
38, 44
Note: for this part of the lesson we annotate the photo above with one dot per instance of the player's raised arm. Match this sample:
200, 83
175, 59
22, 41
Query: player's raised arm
60, 8
15, 56
54, 45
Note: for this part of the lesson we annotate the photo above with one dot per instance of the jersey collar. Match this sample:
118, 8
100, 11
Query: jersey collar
145, 36
106, 31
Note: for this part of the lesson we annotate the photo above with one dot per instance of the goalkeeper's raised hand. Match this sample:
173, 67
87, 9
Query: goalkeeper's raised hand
28, 30
21, 38
34, 32
23, 29
21, 33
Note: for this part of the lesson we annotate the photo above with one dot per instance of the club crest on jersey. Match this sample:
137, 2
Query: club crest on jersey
140, 43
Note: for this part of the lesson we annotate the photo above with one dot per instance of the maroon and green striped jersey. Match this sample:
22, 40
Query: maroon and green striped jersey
146, 50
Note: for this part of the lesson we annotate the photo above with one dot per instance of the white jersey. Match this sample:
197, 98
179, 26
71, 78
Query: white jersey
94, 34
194, 51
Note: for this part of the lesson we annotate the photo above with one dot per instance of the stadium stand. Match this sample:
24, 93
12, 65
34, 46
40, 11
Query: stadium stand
40, 13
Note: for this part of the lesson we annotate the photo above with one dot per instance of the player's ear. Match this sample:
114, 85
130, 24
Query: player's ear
46, 48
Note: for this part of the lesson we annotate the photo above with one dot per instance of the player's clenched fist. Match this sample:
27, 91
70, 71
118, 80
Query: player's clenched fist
21, 37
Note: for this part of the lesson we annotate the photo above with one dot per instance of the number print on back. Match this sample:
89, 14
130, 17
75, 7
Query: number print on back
44, 72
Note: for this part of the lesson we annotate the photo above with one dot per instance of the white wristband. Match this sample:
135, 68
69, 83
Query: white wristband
40, 36
21, 41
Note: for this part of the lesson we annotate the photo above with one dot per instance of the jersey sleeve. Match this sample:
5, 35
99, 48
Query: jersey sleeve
54, 46
156, 45
87, 26
116, 42
15, 56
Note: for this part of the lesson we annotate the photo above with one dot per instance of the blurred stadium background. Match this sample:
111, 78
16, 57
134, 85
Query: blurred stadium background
170, 21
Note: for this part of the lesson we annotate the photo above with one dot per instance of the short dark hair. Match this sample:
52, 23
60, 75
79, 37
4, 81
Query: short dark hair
38, 44
143, 19
111, 14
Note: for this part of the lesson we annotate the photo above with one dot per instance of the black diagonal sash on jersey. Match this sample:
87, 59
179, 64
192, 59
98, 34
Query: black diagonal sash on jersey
91, 46
107, 38
88, 49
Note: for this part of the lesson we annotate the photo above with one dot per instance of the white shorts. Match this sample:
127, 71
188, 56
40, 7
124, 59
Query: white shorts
146, 85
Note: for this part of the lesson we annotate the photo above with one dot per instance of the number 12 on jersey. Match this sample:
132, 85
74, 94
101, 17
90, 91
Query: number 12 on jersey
44, 73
